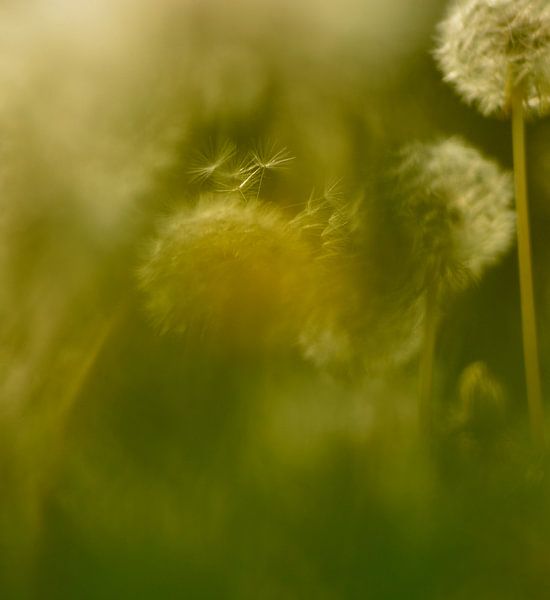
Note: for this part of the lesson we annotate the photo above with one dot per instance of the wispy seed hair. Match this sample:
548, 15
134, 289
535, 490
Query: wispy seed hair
207, 164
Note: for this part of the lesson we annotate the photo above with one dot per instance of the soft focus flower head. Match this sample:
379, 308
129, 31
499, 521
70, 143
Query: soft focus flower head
233, 271
487, 47
458, 207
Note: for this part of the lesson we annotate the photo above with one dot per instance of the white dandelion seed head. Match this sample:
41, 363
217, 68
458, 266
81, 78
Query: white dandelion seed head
231, 270
486, 47
459, 208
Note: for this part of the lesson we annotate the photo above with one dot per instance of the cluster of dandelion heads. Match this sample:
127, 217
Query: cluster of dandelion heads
231, 270
458, 206
487, 47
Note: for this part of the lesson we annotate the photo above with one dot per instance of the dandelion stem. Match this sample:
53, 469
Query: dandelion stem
530, 347
425, 375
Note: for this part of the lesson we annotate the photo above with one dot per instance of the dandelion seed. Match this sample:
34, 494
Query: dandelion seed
487, 47
268, 157
314, 220
208, 163
336, 236
233, 270
246, 175
241, 177
268, 160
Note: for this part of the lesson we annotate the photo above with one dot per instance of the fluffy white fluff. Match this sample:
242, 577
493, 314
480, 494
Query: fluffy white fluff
458, 204
486, 47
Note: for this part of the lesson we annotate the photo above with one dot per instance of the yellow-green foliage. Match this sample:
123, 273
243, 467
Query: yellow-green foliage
222, 223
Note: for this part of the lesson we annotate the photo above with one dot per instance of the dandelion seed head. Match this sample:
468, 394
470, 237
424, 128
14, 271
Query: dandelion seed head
485, 47
232, 270
457, 204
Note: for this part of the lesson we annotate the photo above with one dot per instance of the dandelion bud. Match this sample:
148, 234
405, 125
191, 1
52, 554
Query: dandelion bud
457, 205
233, 271
487, 47
481, 399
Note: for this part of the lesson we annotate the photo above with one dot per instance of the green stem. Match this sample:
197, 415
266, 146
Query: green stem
425, 375
529, 328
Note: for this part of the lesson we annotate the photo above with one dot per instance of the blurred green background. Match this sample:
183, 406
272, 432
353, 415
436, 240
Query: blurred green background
140, 465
